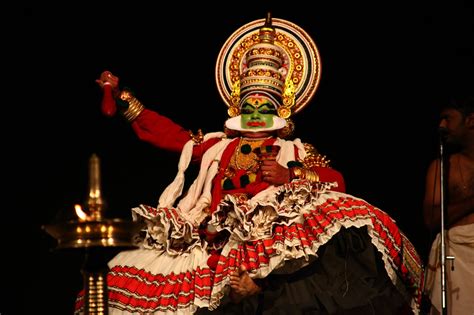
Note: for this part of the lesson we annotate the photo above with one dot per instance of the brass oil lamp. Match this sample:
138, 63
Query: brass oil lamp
97, 236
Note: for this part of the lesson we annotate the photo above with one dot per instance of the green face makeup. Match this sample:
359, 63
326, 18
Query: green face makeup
257, 113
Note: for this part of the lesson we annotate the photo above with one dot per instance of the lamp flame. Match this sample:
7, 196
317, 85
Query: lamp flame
81, 214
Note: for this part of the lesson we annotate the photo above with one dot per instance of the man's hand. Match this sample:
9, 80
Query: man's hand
242, 285
109, 84
107, 78
273, 173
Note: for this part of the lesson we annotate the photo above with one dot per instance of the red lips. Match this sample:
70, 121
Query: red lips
256, 124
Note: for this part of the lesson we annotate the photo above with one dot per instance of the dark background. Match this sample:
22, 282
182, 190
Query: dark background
386, 68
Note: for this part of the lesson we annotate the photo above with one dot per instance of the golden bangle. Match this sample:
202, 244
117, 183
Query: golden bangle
296, 172
304, 173
311, 175
134, 106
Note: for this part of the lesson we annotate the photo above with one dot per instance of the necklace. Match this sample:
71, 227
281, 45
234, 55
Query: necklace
244, 157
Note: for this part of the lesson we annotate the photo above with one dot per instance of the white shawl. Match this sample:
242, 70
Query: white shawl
198, 197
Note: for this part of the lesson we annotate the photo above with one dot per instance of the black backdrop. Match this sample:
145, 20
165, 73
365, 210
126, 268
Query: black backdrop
386, 67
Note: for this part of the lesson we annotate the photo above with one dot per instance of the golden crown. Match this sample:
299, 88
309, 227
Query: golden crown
271, 56
262, 69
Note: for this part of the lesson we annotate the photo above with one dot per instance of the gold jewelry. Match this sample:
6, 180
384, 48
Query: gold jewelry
298, 54
296, 172
249, 161
311, 175
304, 173
313, 158
197, 138
288, 130
134, 106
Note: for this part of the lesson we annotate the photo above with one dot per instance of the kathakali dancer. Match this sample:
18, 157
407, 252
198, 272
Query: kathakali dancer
266, 227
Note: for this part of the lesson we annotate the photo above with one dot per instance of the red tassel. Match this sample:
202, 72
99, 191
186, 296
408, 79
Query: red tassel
108, 103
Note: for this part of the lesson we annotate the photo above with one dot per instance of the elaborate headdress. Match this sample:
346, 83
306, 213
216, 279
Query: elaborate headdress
270, 56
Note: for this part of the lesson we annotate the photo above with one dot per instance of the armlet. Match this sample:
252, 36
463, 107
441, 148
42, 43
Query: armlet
313, 158
198, 137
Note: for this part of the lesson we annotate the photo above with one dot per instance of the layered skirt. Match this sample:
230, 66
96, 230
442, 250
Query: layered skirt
319, 252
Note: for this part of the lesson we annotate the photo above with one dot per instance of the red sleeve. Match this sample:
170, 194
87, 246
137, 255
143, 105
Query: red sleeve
164, 133
327, 174
160, 131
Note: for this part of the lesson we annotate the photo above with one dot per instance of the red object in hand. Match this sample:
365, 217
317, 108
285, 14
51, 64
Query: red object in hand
267, 152
108, 103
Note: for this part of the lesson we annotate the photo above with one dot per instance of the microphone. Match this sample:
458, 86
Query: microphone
443, 131
443, 135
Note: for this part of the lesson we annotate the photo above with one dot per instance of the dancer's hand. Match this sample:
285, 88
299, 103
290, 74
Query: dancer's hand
242, 285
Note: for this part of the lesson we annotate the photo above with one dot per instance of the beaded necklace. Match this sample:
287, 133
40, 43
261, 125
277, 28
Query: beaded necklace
244, 158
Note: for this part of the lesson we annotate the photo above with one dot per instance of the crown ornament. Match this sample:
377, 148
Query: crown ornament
270, 56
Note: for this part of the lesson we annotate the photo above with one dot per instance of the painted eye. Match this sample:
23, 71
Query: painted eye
247, 109
267, 111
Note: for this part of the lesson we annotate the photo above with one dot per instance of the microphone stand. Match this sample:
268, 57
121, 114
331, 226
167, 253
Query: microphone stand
444, 301
443, 206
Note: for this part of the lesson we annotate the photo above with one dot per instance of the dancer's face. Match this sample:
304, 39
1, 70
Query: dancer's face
257, 113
